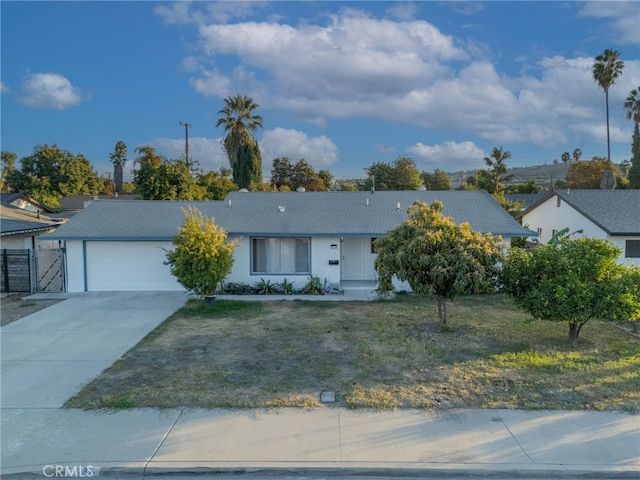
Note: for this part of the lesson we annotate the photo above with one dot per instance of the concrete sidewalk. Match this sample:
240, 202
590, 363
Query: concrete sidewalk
145, 441
48, 356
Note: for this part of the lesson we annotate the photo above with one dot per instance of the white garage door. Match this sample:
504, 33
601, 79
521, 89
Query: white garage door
128, 266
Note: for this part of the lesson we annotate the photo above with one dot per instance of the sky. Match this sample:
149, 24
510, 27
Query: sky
339, 84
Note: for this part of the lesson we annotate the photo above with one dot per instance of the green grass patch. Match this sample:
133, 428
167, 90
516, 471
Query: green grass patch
385, 355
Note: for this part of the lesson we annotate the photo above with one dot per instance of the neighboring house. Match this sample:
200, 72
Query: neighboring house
23, 202
526, 200
612, 215
73, 204
20, 229
121, 245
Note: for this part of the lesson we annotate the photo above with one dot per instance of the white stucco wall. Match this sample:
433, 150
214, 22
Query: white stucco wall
549, 216
321, 253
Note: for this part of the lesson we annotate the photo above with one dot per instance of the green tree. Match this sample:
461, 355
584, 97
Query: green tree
566, 159
51, 173
607, 67
202, 257
8, 169
576, 154
438, 180
497, 169
217, 185
299, 174
118, 159
437, 257
401, 174
159, 179
239, 122
632, 106
530, 186
248, 166
572, 282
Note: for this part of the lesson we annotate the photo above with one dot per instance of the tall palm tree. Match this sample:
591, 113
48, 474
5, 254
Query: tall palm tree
498, 166
606, 70
632, 105
239, 123
118, 160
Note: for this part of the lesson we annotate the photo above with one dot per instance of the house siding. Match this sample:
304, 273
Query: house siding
549, 216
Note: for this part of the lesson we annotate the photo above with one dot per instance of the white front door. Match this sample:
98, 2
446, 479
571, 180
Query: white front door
353, 267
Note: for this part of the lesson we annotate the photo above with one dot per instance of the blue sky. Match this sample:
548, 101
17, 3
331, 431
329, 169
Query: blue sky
340, 84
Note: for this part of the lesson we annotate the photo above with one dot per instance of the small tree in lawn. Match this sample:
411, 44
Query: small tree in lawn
573, 281
202, 257
437, 257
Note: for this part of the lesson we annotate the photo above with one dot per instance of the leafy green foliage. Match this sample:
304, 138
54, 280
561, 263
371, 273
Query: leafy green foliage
202, 257
248, 167
572, 281
118, 159
265, 287
401, 174
51, 173
313, 286
287, 175
438, 180
437, 257
239, 122
497, 170
583, 174
217, 186
286, 287
159, 179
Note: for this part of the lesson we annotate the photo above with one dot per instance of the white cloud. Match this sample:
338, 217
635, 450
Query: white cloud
404, 11
447, 156
624, 19
320, 152
208, 152
4, 89
50, 90
407, 71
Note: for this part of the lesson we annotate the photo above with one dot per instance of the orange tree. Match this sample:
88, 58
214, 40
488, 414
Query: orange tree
437, 257
573, 281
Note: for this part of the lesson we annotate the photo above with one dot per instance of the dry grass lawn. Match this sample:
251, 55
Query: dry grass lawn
383, 355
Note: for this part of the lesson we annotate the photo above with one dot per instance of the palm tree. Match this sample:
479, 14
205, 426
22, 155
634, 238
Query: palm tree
566, 159
239, 123
606, 70
118, 160
498, 166
577, 155
632, 105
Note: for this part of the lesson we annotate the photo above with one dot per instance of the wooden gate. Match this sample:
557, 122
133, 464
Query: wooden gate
16, 270
50, 268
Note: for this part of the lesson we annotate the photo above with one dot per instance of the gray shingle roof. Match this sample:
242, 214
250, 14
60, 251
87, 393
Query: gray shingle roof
305, 214
16, 227
617, 212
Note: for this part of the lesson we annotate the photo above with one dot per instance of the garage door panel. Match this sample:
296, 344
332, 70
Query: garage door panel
129, 266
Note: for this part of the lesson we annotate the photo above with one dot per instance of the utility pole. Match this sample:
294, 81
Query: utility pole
186, 126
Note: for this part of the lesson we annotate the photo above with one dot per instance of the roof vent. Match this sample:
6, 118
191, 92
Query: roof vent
229, 203
300, 189
281, 208
398, 206
367, 202
422, 188
243, 190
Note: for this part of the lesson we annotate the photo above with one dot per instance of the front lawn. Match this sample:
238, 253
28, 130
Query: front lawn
385, 354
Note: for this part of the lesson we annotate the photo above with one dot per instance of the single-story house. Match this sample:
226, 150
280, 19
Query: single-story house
613, 215
21, 229
121, 245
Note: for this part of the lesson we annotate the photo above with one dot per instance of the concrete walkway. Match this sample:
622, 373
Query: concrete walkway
49, 356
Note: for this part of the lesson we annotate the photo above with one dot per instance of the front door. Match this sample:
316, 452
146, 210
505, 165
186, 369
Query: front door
353, 259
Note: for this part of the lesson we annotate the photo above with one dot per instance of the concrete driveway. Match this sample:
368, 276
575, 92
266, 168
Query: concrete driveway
50, 355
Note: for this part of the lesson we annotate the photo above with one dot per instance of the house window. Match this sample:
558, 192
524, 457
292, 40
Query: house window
539, 232
280, 255
373, 247
632, 249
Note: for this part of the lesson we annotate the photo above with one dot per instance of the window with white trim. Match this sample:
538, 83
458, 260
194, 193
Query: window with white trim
275, 255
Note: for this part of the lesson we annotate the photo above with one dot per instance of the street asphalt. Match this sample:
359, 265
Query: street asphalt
48, 356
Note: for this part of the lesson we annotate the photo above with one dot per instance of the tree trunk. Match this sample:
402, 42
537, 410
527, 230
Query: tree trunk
574, 331
608, 181
442, 311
